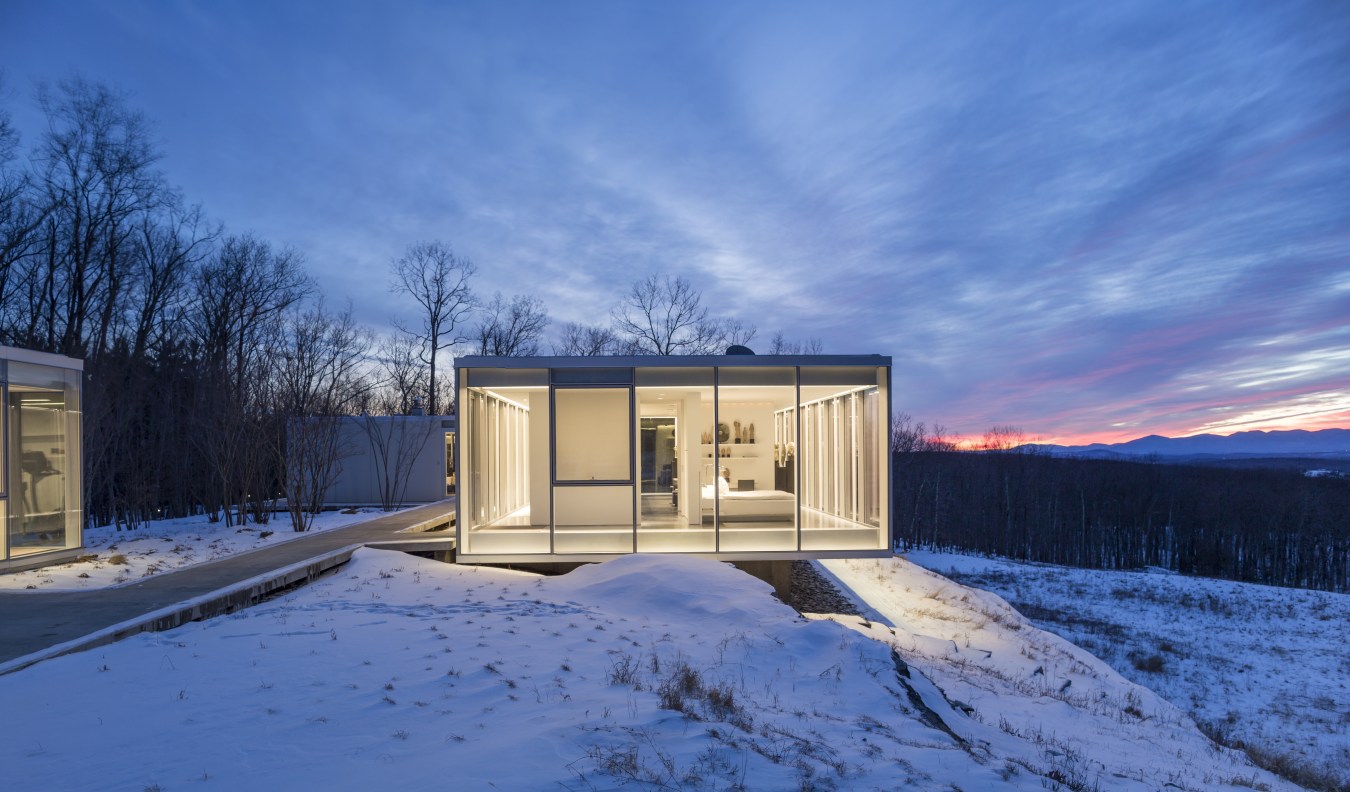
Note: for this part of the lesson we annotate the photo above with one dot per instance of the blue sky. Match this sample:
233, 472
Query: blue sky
1090, 220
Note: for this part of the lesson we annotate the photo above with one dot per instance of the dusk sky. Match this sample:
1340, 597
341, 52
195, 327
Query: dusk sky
1093, 221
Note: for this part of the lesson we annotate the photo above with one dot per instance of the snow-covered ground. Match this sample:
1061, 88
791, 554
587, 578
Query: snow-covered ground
1087, 722
658, 672
115, 557
1264, 665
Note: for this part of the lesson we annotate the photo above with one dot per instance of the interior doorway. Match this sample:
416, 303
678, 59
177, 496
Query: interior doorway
658, 455
659, 468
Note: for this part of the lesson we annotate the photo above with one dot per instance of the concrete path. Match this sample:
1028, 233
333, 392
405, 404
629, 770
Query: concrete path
35, 625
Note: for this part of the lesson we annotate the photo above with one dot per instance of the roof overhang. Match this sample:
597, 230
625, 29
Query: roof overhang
670, 361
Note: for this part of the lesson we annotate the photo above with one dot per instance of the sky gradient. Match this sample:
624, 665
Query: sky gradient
1092, 221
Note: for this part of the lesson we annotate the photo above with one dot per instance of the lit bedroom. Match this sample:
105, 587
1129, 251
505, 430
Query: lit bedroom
576, 458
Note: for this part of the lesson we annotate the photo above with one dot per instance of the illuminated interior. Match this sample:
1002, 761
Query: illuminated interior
778, 457
40, 503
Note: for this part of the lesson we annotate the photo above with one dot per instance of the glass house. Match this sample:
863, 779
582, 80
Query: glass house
738, 457
40, 503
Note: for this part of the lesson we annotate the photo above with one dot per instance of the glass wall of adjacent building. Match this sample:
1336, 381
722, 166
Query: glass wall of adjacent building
41, 500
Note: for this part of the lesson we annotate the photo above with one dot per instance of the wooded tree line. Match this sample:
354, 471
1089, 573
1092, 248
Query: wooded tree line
201, 345
1266, 526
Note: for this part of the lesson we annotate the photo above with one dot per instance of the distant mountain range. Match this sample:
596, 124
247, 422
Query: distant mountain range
1293, 442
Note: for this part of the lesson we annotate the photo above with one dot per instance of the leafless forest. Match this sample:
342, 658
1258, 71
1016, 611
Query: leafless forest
1260, 525
201, 344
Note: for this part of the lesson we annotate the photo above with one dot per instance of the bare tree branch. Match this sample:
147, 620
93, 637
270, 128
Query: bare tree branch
586, 340
512, 329
438, 281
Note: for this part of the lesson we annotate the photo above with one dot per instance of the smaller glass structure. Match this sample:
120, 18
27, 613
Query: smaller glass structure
734, 456
40, 504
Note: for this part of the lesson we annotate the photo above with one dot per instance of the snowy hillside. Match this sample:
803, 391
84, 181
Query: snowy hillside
667, 672
1097, 728
1258, 664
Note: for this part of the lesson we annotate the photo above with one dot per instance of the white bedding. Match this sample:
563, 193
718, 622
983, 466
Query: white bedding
756, 495
774, 505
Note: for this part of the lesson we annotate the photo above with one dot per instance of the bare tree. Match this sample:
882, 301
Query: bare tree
662, 315
909, 436
438, 281
167, 250
587, 340
21, 214
394, 446
906, 435
96, 173
319, 381
512, 329
402, 379
779, 345
1003, 437
241, 296
734, 331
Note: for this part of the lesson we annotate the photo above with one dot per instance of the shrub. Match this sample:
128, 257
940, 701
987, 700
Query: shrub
1152, 664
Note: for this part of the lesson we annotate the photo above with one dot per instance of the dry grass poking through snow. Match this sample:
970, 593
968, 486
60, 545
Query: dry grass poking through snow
644, 672
1093, 727
1261, 668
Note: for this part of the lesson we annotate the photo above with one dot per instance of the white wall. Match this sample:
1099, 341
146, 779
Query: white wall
749, 461
598, 505
540, 478
593, 434
358, 482
691, 436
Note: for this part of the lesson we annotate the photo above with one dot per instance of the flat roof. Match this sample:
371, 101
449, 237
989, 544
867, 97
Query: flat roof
40, 358
672, 361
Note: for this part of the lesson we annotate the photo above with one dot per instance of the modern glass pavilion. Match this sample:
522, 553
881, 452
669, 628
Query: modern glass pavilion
739, 457
40, 504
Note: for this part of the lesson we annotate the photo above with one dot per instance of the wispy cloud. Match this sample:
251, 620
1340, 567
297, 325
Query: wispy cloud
1086, 220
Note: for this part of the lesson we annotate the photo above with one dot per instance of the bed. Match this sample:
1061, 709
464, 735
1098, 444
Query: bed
750, 505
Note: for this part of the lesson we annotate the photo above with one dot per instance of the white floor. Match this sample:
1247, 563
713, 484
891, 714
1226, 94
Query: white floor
658, 533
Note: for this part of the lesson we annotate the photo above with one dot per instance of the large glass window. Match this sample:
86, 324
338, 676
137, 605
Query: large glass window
677, 439
842, 458
42, 417
756, 503
503, 479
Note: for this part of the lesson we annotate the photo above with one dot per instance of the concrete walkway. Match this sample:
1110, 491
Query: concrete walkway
35, 625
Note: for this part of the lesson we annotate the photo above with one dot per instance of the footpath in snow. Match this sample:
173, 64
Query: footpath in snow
114, 558
656, 672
